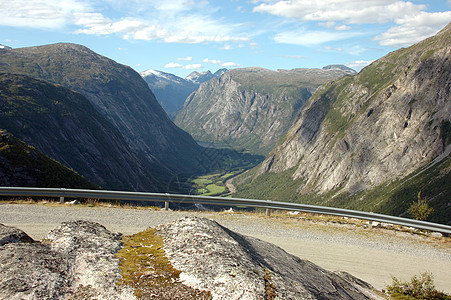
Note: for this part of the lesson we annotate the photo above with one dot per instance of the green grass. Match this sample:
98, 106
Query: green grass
201, 181
145, 267
214, 189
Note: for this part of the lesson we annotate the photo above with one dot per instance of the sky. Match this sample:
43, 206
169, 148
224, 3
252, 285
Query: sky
182, 36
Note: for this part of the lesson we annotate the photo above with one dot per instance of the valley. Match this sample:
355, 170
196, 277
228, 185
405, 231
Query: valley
368, 141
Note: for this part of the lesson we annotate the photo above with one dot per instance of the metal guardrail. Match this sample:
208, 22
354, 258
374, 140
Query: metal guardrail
177, 198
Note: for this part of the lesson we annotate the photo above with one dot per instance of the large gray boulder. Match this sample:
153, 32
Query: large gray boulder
233, 266
32, 271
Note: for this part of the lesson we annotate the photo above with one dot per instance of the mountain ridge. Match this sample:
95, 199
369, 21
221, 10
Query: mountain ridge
65, 126
249, 108
117, 92
368, 132
171, 90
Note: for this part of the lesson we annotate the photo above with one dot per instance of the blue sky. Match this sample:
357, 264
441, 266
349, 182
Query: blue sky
181, 36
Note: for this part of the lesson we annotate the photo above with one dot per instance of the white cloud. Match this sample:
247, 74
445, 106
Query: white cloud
359, 64
295, 56
212, 61
312, 38
193, 67
413, 30
226, 47
188, 58
173, 65
342, 27
348, 11
328, 24
175, 21
49, 14
180, 66
230, 65
413, 22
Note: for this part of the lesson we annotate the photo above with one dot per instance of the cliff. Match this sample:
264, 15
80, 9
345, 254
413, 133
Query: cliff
65, 126
250, 108
371, 141
117, 92
23, 165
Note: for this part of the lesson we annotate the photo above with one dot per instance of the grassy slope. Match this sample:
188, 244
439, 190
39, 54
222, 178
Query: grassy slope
391, 198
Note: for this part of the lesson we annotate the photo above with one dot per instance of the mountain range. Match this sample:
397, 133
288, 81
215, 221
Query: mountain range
117, 92
368, 141
372, 141
251, 108
120, 96
171, 91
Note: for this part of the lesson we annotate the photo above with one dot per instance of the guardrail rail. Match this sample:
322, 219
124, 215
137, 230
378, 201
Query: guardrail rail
193, 199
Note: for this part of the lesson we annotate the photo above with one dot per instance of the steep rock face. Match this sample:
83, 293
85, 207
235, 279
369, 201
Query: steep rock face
250, 108
117, 92
360, 132
23, 165
171, 91
65, 126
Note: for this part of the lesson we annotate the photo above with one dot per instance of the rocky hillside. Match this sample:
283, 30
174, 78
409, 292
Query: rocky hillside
250, 108
64, 125
23, 165
190, 258
370, 141
117, 92
171, 91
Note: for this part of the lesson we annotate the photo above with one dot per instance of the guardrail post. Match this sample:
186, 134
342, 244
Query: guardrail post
268, 212
62, 200
166, 205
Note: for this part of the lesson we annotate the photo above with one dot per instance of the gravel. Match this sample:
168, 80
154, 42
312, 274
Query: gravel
373, 255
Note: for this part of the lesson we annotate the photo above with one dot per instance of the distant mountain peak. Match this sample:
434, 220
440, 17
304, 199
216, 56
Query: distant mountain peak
5, 47
340, 67
200, 77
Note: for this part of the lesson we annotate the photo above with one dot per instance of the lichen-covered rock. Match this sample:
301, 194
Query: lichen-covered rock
32, 271
13, 235
233, 266
90, 248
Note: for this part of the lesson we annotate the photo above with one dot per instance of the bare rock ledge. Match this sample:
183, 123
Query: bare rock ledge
77, 261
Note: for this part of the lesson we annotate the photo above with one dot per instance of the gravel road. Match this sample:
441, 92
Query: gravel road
373, 255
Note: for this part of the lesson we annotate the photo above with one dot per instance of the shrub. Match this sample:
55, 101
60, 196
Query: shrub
419, 287
420, 210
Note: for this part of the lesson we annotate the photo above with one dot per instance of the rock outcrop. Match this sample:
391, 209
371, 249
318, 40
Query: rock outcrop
77, 261
250, 108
